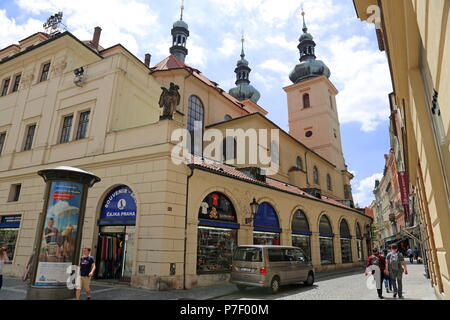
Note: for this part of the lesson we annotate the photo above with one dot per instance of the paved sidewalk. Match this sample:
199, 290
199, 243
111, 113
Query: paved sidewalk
16, 289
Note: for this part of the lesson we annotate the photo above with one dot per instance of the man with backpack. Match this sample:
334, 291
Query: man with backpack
377, 262
395, 266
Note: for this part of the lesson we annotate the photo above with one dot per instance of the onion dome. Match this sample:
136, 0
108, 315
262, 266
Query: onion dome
308, 67
180, 33
244, 90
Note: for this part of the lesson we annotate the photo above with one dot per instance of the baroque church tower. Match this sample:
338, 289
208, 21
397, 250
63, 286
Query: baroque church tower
313, 116
180, 33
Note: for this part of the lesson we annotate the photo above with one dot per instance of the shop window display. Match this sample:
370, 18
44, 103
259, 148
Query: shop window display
326, 241
215, 249
346, 244
9, 231
266, 238
217, 234
301, 235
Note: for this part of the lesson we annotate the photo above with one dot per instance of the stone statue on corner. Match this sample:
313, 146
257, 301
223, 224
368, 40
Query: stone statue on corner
169, 100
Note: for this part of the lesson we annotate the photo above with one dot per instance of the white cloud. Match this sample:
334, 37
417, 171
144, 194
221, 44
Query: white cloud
364, 190
276, 66
11, 32
122, 22
280, 41
230, 46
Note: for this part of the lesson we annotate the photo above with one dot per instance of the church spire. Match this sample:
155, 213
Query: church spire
180, 33
244, 89
309, 67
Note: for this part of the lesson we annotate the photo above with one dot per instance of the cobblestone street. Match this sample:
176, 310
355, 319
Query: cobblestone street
347, 287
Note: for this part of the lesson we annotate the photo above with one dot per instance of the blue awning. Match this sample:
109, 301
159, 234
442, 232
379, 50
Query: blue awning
218, 224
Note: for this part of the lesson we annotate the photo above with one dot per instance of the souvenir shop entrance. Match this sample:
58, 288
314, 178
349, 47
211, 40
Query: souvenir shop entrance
115, 253
116, 238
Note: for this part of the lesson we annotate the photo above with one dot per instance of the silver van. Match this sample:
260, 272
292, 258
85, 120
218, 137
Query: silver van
270, 267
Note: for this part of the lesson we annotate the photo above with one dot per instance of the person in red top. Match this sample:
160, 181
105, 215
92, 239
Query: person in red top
377, 261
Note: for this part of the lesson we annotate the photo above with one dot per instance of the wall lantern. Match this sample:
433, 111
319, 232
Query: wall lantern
253, 209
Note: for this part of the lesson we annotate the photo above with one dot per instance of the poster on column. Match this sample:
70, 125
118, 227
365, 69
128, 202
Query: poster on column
60, 233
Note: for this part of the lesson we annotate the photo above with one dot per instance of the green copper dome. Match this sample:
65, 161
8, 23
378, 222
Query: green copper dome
244, 89
181, 24
308, 67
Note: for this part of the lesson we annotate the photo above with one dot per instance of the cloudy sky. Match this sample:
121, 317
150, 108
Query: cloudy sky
272, 28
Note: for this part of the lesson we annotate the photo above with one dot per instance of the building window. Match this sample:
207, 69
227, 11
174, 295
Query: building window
44, 72
83, 125
5, 86
9, 230
29, 137
14, 192
308, 134
229, 148
227, 117
326, 241
217, 234
195, 124
306, 101
301, 234
16, 84
275, 153
359, 247
315, 175
346, 244
331, 102
299, 163
329, 184
2, 141
66, 128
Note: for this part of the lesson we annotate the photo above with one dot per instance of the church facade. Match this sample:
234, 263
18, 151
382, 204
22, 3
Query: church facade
175, 225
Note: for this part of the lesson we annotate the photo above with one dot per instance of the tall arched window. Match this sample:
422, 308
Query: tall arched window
301, 234
368, 236
306, 102
299, 163
326, 241
359, 247
329, 184
266, 227
315, 175
346, 242
195, 125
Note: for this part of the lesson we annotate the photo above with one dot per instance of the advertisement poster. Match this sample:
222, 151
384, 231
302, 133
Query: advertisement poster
60, 232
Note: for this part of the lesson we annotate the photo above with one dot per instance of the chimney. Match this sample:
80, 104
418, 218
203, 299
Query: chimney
96, 39
148, 57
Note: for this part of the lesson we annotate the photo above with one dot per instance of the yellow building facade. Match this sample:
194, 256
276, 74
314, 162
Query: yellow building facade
415, 36
80, 105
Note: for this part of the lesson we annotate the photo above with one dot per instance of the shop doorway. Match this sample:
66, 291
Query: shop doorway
116, 238
115, 253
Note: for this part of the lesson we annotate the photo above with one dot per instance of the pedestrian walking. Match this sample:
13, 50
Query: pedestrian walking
376, 264
395, 266
387, 279
87, 268
416, 254
3, 259
410, 255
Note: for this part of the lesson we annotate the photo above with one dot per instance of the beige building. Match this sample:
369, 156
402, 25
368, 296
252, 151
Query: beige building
415, 36
73, 103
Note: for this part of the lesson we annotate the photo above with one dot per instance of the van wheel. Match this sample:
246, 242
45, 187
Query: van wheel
310, 280
241, 287
274, 285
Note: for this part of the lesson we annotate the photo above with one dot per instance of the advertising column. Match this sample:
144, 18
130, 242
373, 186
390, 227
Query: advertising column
59, 234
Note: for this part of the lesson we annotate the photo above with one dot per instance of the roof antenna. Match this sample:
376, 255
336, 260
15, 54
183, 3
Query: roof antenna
182, 9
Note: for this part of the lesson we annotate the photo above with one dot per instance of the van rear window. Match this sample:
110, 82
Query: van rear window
248, 254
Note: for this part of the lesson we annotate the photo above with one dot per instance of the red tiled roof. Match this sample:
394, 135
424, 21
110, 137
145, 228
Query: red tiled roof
234, 172
172, 62
91, 45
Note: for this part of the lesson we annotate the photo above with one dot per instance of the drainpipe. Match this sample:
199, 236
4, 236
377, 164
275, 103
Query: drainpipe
306, 168
185, 227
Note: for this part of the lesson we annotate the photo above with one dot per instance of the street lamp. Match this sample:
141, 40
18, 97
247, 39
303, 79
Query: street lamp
253, 209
